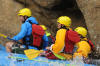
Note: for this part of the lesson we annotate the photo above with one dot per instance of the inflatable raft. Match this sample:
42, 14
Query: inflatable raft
9, 59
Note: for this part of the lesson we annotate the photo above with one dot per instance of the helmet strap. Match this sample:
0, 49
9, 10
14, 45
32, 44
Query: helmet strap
81, 37
25, 17
64, 27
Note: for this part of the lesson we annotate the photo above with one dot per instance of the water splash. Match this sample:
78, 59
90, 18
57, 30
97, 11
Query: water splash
12, 60
78, 61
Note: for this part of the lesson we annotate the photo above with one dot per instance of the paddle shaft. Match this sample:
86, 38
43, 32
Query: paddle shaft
4, 36
15, 40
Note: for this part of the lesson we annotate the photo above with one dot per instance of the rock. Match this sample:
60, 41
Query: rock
9, 23
47, 3
91, 12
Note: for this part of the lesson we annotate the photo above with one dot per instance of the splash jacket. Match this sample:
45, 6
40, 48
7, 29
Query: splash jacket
64, 44
65, 41
26, 31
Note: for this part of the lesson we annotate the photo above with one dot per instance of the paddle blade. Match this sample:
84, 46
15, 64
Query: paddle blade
31, 53
2, 35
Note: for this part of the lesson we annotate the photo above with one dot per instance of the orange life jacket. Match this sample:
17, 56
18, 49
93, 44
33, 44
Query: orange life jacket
71, 39
38, 33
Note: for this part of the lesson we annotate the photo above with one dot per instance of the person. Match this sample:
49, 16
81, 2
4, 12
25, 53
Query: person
25, 35
85, 46
51, 39
66, 38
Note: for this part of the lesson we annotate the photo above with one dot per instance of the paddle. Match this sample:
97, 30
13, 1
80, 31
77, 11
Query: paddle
4, 36
31, 53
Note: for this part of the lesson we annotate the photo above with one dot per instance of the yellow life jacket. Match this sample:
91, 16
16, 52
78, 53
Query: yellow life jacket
60, 41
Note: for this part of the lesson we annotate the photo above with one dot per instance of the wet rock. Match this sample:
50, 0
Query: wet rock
91, 12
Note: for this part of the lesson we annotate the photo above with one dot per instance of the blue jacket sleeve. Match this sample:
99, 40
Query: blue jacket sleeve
45, 41
22, 33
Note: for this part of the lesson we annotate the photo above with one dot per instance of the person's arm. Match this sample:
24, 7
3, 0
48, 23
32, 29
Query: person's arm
22, 33
60, 41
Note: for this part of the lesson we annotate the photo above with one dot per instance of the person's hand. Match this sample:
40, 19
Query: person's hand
42, 53
48, 48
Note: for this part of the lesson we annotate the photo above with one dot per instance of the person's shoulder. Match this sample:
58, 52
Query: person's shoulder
31, 18
60, 30
25, 23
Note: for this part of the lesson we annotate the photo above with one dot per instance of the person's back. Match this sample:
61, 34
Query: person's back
40, 40
26, 29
